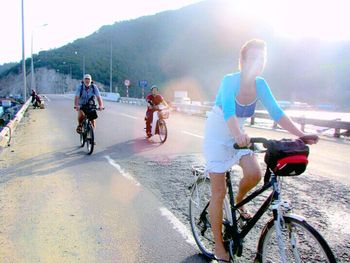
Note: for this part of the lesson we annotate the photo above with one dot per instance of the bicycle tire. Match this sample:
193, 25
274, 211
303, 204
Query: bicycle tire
90, 139
82, 139
201, 227
303, 243
162, 130
82, 136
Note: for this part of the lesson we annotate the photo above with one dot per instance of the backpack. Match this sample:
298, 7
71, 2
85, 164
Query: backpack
82, 88
287, 157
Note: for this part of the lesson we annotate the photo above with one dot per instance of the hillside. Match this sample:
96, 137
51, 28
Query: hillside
193, 47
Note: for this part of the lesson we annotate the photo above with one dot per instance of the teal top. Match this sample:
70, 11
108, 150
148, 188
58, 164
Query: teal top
229, 88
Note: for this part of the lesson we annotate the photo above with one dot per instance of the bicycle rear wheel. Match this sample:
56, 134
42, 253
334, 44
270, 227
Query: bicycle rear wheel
90, 139
162, 130
199, 216
302, 243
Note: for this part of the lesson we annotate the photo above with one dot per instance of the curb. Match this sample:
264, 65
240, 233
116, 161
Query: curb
7, 131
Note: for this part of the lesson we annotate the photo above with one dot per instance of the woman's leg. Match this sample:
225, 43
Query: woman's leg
218, 192
251, 176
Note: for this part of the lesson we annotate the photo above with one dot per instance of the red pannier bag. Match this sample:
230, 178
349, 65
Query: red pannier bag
287, 157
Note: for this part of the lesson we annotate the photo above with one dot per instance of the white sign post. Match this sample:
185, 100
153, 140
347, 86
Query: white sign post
127, 84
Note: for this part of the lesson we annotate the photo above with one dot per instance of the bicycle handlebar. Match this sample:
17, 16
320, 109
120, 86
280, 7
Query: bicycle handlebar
93, 107
307, 139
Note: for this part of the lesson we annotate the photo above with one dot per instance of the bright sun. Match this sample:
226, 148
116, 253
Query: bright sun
323, 19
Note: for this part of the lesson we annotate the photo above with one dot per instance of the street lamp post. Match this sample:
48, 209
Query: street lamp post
83, 66
32, 60
110, 70
23, 59
76, 53
32, 64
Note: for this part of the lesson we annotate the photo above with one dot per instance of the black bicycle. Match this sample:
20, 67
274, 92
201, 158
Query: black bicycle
87, 131
285, 238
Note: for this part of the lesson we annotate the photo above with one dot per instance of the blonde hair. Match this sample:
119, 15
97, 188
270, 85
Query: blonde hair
253, 43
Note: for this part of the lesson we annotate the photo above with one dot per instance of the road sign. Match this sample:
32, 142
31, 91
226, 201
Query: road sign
143, 83
127, 82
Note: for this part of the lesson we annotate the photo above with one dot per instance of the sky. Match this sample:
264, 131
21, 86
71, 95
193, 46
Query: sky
68, 20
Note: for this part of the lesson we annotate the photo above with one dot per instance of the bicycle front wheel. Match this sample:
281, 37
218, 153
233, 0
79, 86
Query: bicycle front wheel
199, 217
90, 140
301, 243
162, 130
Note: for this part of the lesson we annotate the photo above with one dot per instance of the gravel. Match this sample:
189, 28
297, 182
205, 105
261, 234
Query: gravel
325, 203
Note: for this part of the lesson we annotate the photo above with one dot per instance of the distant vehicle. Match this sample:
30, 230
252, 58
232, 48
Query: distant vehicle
300, 106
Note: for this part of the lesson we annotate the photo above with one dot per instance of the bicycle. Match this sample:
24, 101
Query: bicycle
286, 237
87, 131
158, 125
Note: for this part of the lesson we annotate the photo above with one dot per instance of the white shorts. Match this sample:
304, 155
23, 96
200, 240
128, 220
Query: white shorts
219, 153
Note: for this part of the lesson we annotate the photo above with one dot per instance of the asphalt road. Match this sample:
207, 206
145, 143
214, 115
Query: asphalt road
121, 204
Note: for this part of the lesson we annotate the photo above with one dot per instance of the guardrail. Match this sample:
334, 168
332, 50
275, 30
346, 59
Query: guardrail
201, 110
7, 131
135, 101
110, 96
337, 125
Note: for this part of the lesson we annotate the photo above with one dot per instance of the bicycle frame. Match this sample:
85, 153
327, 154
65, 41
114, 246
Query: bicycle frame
86, 122
155, 118
238, 236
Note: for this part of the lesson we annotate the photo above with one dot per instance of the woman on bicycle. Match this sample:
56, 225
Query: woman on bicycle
154, 99
236, 101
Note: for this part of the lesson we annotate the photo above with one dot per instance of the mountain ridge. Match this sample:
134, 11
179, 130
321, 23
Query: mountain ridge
194, 47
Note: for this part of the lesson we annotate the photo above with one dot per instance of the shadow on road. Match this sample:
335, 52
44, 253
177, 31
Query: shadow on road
196, 259
129, 148
50, 163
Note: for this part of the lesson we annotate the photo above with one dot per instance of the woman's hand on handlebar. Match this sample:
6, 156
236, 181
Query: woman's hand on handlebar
309, 138
242, 140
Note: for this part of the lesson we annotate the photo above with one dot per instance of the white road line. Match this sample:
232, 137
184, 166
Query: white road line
129, 116
192, 134
122, 172
178, 226
176, 223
